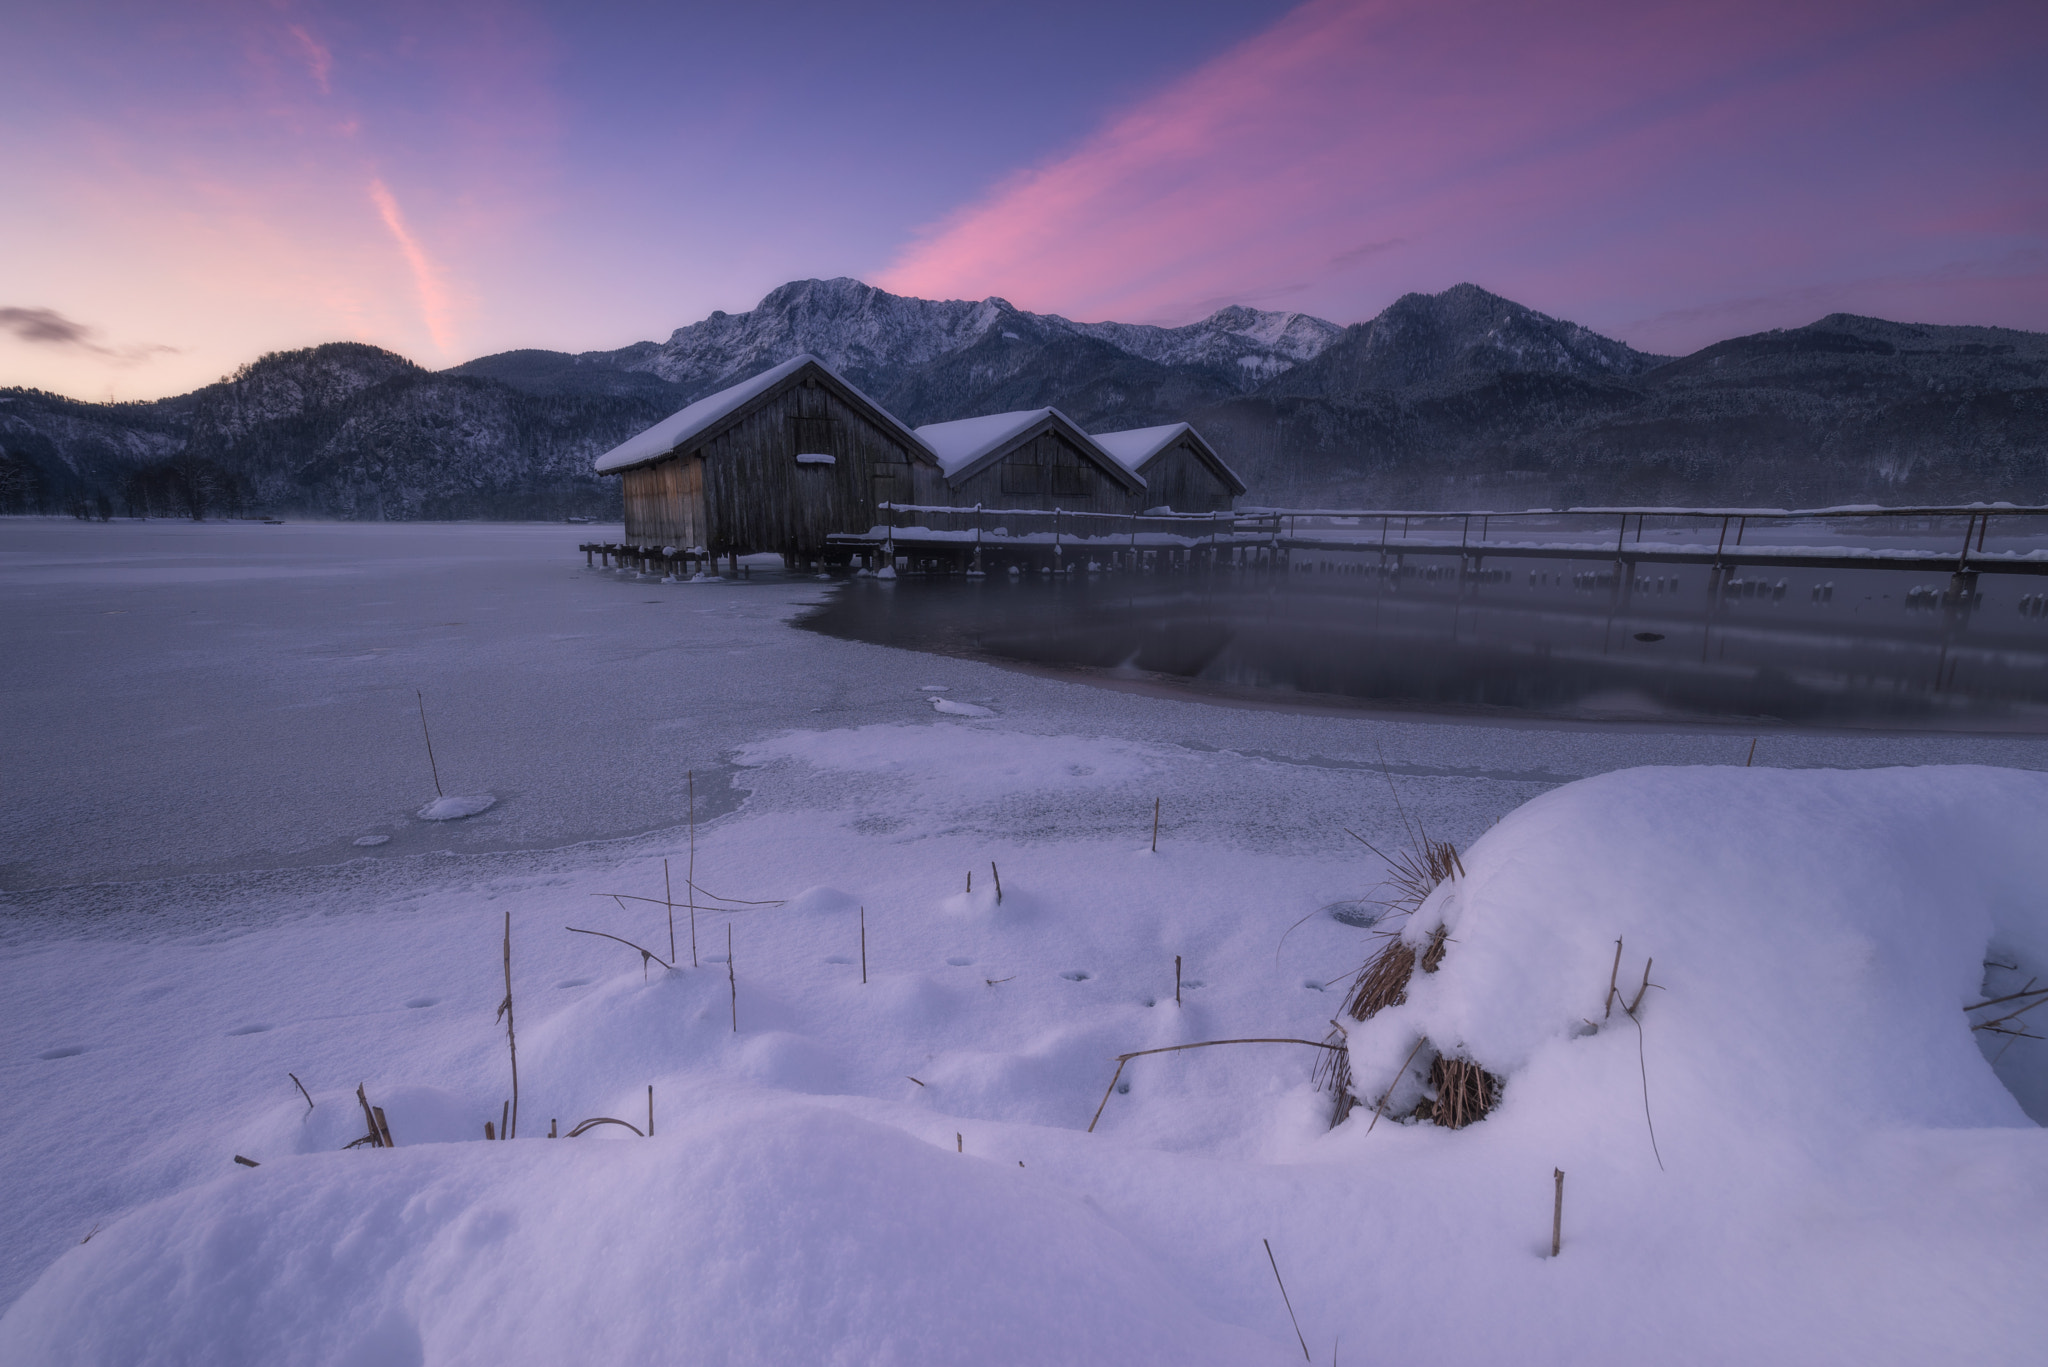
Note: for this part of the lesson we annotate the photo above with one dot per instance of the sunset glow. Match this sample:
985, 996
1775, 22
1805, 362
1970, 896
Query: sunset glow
201, 184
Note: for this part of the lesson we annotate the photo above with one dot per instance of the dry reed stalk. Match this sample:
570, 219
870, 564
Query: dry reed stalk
603, 1120
551, 1128
1432, 956
732, 981
422, 698
1465, 1092
691, 877
998, 873
1557, 1214
383, 1127
645, 954
245, 1162
863, 946
1401, 1072
302, 1089
1122, 1059
1612, 975
1382, 982
1176, 980
1631, 1007
650, 1110
959, 1143
376, 1140
511, 1038
668, 897
1155, 825
490, 1130
504, 1126
1284, 1300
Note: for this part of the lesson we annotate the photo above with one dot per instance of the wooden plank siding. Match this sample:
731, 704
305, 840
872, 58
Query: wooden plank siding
1046, 471
665, 504
1178, 478
757, 496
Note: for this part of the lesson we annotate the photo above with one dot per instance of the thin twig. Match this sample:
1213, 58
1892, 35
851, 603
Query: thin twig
430, 742
1642, 1063
2027, 991
511, 1038
690, 879
302, 1089
1284, 1300
1612, 974
1122, 1059
732, 981
668, 897
646, 954
1388, 1095
863, 945
603, 1120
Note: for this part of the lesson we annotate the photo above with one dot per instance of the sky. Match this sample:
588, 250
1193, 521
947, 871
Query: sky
193, 184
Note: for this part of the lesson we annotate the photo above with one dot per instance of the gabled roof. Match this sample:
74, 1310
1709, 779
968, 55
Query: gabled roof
969, 445
1134, 449
701, 419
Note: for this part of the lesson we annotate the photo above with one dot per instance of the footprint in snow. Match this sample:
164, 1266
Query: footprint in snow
1077, 975
960, 709
66, 1051
248, 1030
417, 1003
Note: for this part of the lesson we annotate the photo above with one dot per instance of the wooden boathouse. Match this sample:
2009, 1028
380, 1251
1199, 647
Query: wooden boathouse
799, 462
776, 463
1035, 458
1181, 472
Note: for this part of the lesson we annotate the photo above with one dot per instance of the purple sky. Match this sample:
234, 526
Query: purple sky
192, 185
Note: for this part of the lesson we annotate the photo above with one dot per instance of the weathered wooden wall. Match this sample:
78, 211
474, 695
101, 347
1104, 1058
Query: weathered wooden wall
1048, 471
758, 498
1177, 478
665, 504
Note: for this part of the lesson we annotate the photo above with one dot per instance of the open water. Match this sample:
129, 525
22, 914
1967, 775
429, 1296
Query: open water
1878, 648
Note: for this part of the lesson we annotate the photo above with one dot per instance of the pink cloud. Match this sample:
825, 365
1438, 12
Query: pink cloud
1617, 162
319, 58
426, 276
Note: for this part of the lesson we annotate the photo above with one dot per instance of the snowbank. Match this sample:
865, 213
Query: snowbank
1816, 937
767, 1233
1839, 1173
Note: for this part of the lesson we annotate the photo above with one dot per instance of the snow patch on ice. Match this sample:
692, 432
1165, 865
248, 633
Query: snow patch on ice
961, 709
455, 808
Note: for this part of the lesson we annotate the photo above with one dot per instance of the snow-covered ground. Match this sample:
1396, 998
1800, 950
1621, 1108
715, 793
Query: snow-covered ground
899, 1170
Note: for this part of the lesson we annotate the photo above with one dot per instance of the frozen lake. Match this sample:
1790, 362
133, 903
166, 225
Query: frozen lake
190, 699
205, 720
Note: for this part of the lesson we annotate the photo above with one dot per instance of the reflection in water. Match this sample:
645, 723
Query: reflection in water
1870, 648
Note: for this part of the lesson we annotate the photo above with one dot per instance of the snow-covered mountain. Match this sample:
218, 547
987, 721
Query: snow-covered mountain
868, 334
1458, 397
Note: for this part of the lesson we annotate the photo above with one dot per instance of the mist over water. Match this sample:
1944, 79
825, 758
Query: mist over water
1879, 648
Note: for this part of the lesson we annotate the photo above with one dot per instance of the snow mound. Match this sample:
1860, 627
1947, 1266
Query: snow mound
1812, 940
856, 1243
960, 709
455, 808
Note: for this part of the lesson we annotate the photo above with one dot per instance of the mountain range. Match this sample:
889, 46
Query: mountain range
1461, 398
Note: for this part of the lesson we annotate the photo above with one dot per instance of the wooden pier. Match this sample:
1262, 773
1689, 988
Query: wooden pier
933, 539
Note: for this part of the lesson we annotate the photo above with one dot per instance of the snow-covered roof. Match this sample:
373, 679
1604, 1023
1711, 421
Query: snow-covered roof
1138, 445
1134, 447
959, 444
679, 428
